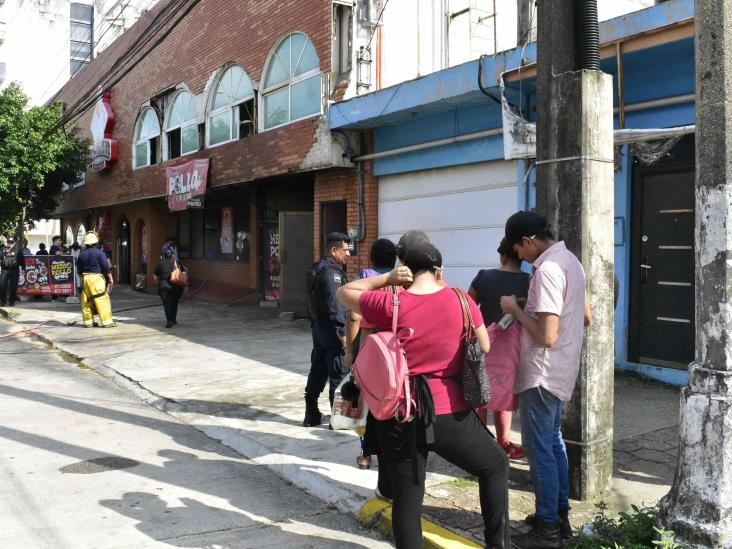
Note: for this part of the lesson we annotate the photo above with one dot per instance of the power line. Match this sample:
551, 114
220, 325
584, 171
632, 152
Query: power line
80, 108
87, 36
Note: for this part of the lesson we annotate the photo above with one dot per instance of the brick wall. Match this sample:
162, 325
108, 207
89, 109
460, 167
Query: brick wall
333, 185
215, 32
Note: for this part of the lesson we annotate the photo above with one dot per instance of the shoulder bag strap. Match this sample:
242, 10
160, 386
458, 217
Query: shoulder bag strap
395, 312
464, 311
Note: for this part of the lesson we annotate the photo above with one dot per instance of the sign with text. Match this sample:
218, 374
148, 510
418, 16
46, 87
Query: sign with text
185, 183
47, 275
104, 150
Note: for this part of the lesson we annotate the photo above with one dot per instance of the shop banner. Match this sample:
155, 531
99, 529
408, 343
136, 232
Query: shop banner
185, 182
227, 230
47, 275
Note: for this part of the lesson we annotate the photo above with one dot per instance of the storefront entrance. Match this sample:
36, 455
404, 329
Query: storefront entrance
662, 272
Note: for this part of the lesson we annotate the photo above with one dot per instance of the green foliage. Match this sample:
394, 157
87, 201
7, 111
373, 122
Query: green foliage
636, 530
34, 162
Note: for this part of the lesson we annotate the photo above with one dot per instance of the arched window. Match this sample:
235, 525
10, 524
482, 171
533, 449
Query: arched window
69, 239
147, 134
181, 126
231, 112
292, 87
80, 233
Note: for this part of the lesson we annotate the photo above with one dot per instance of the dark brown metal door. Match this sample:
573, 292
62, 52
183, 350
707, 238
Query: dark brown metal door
662, 310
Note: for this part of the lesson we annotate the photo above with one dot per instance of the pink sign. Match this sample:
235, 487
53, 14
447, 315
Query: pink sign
227, 230
186, 181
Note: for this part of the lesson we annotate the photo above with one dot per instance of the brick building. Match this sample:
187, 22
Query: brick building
245, 85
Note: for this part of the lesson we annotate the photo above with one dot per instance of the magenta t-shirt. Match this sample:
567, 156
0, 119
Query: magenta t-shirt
435, 349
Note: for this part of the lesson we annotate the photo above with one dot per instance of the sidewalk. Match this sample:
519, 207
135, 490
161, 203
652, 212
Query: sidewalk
237, 373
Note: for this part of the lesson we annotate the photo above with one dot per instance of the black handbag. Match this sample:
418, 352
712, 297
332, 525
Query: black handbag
476, 384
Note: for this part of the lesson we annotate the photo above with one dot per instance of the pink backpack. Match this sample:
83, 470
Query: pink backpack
381, 371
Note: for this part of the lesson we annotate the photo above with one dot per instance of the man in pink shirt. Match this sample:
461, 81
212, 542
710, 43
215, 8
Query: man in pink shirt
551, 344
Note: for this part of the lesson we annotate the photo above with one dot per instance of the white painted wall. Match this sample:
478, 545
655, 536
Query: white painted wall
36, 48
463, 209
415, 33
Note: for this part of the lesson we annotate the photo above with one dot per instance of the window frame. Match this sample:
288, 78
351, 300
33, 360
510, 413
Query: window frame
183, 125
83, 61
288, 83
136, 141
232, 108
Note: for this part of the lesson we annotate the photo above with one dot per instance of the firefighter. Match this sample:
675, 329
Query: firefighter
96, 282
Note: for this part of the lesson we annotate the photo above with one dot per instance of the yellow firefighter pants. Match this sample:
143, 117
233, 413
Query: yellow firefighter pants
94, 296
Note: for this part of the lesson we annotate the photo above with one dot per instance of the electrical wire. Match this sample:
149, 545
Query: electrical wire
89, 34
118, 71
160, 20
378, 20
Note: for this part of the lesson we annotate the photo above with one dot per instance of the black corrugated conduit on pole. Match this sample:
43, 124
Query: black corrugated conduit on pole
587, 35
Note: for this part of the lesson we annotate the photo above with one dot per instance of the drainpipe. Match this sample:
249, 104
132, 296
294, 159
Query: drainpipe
587, 35
361, 209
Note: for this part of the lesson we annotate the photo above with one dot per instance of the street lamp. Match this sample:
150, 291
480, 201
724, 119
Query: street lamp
363, 70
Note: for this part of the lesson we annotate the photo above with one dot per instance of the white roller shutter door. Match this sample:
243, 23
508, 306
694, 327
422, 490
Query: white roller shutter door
463, 209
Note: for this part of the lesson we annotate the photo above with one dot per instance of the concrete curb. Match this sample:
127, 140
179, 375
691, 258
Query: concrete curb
376, 513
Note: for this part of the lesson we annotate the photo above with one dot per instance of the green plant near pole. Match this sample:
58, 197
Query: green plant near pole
35, 162
635, 530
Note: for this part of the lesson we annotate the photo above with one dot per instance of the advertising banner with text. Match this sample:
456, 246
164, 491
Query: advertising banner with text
47, 275
185, 182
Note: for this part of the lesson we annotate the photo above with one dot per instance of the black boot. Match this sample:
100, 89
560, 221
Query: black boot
565, 528
543, 535
313, 417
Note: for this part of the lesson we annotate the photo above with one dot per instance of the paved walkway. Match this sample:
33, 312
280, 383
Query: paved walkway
237, 373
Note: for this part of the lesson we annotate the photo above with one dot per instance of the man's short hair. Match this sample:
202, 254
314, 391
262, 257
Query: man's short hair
527, 224
57, 237
409, 240
172, 239
335, 239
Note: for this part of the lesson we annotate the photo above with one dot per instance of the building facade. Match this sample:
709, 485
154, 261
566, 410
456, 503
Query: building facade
441, 165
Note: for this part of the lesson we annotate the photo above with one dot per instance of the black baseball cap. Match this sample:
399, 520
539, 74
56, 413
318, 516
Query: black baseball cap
523, 224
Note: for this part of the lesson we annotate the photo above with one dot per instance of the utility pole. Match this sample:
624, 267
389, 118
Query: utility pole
575, 192
699, 506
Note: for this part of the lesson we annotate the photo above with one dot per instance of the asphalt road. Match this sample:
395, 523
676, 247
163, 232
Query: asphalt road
85, 464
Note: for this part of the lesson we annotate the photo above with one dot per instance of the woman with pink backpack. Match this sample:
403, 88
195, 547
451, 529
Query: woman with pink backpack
429, 323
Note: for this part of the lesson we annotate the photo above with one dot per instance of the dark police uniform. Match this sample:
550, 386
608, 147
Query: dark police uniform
328, 326
9, 275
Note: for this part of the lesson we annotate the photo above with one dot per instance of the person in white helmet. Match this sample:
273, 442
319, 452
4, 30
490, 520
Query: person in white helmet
96, 283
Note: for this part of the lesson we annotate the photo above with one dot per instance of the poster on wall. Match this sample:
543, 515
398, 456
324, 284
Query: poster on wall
47, 275
186, 184
271, 262
227, 230
103, 227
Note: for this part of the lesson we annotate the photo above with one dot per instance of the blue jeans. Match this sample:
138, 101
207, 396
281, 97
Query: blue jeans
541, 436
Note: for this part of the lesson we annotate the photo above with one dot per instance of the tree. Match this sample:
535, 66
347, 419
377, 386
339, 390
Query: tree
35, 161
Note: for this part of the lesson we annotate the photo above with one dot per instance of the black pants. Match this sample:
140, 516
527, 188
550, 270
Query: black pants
461, 439
9, 285
327, 360
170, 303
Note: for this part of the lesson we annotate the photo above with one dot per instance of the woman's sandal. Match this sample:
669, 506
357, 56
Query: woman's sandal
363, 462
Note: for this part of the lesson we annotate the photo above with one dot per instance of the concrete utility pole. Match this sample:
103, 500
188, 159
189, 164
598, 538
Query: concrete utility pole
699, 505
575, 192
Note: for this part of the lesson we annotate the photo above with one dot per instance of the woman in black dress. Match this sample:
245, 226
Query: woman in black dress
486, 289
169, 293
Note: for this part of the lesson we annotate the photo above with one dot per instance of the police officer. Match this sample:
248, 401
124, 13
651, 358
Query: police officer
328, 323
94, 267
11, 260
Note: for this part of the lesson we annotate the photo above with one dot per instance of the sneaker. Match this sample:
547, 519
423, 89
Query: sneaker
112, 325
514, 452
565, 528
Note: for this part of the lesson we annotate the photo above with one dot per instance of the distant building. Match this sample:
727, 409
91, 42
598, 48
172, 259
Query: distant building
43, 43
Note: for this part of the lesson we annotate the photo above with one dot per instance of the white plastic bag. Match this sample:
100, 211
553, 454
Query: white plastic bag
344, 415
